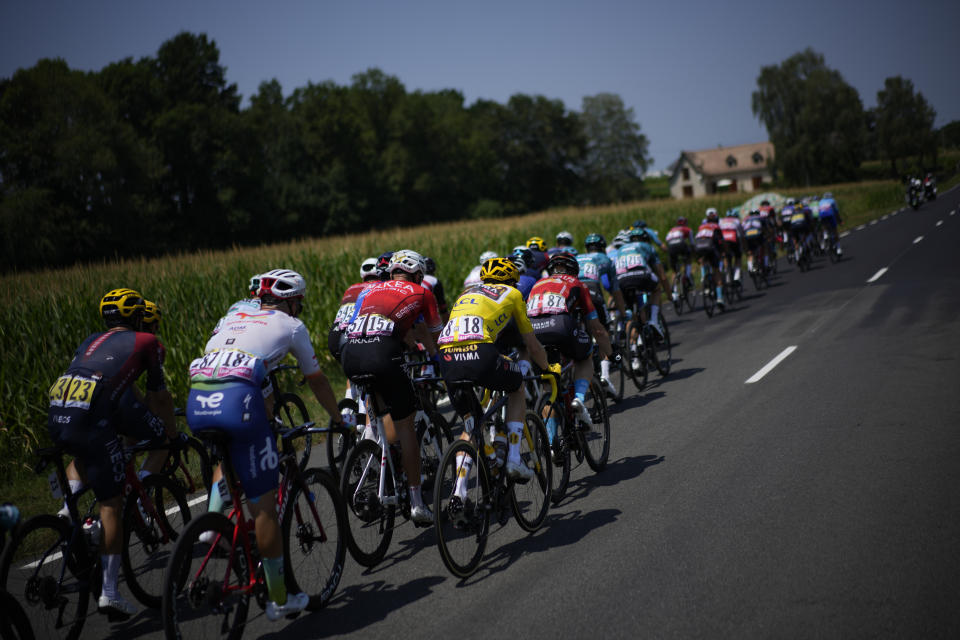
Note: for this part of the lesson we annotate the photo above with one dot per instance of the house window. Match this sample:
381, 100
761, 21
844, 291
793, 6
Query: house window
731, 161
687, 190
686, 173
757, 157
757, 182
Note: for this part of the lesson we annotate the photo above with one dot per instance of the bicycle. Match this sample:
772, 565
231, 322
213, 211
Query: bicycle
590, 442
463, 523
215, 568
52, 564
683, 292
373, 483
14, 624
289, 410
708, 290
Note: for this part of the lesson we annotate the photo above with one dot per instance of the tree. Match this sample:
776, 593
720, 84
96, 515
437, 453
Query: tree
904, 123
814, 118
950, 135
616, 152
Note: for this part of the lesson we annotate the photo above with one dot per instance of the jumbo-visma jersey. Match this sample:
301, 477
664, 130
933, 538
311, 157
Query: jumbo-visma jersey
481, 313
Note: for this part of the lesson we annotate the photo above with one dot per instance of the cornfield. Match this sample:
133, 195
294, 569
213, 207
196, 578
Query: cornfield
45, 315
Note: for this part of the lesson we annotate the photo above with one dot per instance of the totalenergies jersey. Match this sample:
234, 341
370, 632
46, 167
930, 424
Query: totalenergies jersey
560, 293
269, 335
390, 308
481, 313
731, 229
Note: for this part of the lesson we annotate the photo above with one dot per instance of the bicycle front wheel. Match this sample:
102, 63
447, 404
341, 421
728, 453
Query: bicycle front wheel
559, 449
462, 519
291, 412
709, 300
434, 436
149, 536
50, 578
596, 436
314, 530
369, 521
206, 590
531, 501
661, 348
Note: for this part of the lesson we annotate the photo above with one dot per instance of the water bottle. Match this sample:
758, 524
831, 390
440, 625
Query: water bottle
93, 530
9, 516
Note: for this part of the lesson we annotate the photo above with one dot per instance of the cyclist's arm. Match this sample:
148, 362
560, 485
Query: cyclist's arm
601, 336
160, 404
322, 391
537, 353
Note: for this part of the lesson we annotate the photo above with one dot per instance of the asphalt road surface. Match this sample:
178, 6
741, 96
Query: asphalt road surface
822, 500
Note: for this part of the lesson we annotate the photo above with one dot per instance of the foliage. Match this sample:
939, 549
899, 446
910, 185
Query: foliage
904, 123
616, 155
950, 135
814, 118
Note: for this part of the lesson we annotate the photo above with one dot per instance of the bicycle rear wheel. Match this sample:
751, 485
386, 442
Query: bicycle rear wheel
559, 451
709, 300
30, 571
462, 530
14, 625
531, 501
369, 522
595, 437
434, 436
661, 348
149, 536
290, 411
314, 531
190, 468
206, 589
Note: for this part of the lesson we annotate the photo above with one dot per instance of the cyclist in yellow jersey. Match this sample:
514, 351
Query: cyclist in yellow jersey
467, 350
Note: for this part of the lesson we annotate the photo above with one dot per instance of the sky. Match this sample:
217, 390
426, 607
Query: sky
686, 69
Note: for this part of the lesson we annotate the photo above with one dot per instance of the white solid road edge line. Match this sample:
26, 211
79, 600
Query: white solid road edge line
844, 234
877, 275
770, 365
939, 222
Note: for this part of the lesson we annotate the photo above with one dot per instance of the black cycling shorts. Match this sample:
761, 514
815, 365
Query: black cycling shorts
733, 248
563, 332
381, 357
643, 279
481, 364
679, 254
335, 341
754, 242
709, 254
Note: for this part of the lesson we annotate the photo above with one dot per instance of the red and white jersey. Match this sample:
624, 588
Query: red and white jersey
390, 308
555, 294
731, 228
708, 235
268, 334
347, 303
679, 235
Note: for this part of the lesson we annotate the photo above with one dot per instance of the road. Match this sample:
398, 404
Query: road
821, 501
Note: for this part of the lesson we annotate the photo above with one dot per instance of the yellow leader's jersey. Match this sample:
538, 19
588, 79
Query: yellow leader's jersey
481, 313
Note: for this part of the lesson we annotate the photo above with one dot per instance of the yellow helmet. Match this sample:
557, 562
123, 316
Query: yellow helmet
499, 270
536, 242
122, 306
151, 312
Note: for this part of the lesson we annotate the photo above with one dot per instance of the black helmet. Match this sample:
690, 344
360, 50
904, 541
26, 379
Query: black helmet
564, 262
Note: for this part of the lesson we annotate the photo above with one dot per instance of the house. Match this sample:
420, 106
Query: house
745, 168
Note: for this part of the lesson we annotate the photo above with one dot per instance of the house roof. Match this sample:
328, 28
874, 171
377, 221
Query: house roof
728, 160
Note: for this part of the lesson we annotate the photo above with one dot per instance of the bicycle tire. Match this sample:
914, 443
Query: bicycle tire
369, 523
709, 300
14, 624
291, 411
196, 449
619, 378
690, 296
463, 541
677, 298
144, 554
434, 436
193, 594
30, 567
661, 349
530, 502
559, 452
338, 447
595, 440
315, 548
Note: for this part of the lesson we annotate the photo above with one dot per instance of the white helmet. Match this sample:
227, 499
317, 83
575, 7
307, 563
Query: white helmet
565, 235
368, 268
487, 255
282, 283
709, 211
407, 261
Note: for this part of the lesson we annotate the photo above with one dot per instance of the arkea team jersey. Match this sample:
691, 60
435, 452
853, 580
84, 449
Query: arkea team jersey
269, 335
481, 313
560, 293
390, 308
594, 266
708, 236
679, 236
731, 229
108, 363
347, 303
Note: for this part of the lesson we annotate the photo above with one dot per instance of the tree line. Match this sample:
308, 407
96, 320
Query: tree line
821, 131
156, 156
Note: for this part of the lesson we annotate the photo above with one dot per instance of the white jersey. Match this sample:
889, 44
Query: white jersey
473, 278
268, 334
247, 304
429, 281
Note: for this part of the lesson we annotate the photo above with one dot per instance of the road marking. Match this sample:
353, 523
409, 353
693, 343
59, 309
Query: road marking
873, 222
877, 275
893, 213
861, 227
953, 212
939, 222
885, 217
770, 365
844, 234
917, 240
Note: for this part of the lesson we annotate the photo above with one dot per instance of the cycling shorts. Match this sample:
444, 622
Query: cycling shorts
830, 222
563, 332
733, 248
381, 356
679, 254
237, 409
799, 227
755, 242
481, 364
643, 279
710, 255
335, 341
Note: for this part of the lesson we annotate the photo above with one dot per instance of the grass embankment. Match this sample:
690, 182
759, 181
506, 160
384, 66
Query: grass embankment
45, 315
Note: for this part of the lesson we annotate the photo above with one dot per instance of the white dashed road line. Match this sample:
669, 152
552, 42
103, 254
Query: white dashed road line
861, 227
844, 234
877, 275
770, 365
885, 217
918, 239
873, 222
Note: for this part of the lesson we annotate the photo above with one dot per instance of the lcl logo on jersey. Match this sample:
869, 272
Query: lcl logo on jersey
212, 401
